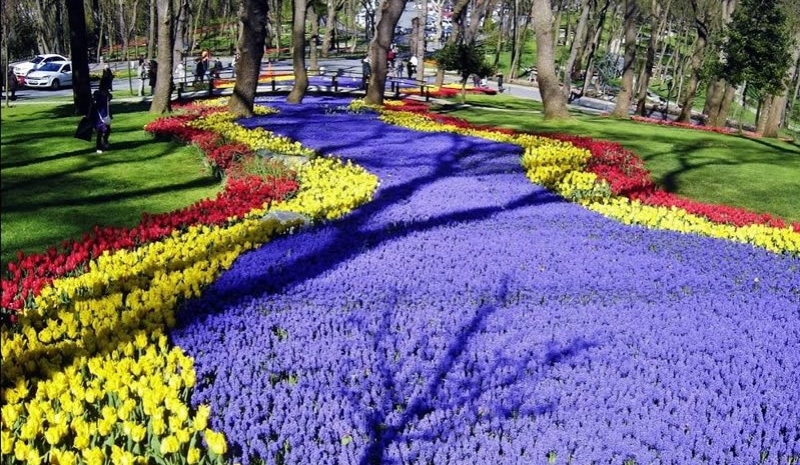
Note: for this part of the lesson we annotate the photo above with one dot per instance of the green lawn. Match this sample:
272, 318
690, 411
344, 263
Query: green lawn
761, 175
56, 187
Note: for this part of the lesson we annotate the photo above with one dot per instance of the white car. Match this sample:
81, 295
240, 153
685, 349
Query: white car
23, 68
53, 75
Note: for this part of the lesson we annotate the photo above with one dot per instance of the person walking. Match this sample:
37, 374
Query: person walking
233, 63
11, 84
199, 70
412, 65
366, 71
152, 75
107, 78
100, 116
142, 72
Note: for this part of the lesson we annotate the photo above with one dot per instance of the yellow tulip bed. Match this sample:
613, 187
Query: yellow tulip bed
88, 373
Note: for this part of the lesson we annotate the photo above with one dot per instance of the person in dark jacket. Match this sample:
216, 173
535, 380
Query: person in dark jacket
100, 115
11, 84
152, 74
366, 71
107, 78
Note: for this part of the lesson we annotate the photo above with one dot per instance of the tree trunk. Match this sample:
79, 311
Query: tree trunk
697, 60
623, 105
298, 52
577, 44
420, 51
81, 90
601, 19
252, 34
658, 19
778, 108
519, 35
555, 105
163, 90
151, 33
330, 26
313, 19
391, 10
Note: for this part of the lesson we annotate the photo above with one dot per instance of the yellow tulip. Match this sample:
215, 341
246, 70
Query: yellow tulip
6, 442
193, 456
216, 442
169, 445
93, 456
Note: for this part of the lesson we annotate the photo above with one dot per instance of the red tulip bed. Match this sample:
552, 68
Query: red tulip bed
29, 274
675, 124
626, 174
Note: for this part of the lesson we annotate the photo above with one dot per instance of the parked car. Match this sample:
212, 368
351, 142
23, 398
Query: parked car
54, 75
23, 68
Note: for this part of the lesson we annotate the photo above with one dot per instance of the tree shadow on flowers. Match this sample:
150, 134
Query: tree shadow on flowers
398, 424
417, 172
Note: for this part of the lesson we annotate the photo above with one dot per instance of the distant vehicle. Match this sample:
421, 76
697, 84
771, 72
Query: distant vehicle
21, 69
53, 75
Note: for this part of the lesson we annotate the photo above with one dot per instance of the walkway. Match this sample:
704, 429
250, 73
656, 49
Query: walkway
469, 316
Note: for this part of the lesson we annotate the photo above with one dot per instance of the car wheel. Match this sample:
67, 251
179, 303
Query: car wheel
56, 85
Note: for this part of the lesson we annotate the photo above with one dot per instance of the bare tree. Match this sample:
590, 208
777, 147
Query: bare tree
391, 10
300, 86
252, 35
555, 105
622, 107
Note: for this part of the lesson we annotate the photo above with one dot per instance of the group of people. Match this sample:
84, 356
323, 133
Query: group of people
148, 72
204, 66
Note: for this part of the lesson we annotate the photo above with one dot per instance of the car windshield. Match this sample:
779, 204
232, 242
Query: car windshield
37, 59
50, 67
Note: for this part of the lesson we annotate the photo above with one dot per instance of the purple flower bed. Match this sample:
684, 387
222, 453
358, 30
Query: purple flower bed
467, 316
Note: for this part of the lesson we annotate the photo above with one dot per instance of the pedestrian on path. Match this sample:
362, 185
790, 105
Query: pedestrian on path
152, 75
100, 115
366, 72
142, 72
11, 84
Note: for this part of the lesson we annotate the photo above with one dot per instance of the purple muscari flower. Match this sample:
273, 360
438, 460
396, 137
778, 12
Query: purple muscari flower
466, 311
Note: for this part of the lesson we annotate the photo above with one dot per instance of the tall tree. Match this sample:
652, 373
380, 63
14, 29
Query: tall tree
391, 10
700, 13
252, 35
163, 92
720, 93
300, 86
555, 105
458, 34
81, 91
623, 105
577, 44
658, 18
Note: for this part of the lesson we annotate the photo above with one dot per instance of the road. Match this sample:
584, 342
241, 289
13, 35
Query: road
522, 90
